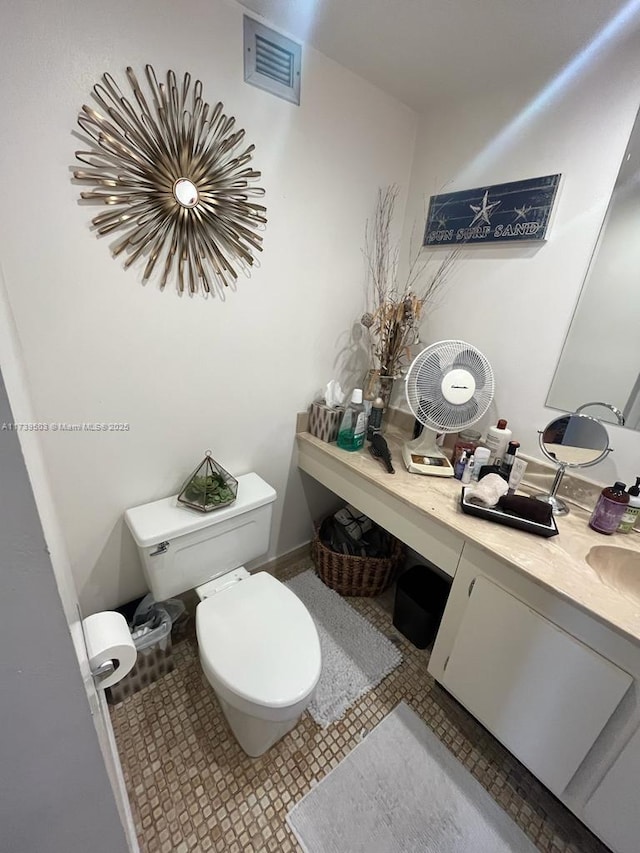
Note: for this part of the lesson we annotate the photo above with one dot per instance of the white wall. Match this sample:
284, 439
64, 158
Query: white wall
187, 374
515, 303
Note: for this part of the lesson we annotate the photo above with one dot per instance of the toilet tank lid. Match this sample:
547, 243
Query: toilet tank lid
165, 519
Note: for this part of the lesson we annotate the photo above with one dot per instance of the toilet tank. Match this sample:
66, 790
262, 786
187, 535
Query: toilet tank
181, 548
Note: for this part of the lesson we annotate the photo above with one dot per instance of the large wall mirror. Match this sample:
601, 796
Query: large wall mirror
599, 369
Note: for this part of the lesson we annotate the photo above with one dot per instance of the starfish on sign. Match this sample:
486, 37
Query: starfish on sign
483, 211
522, 212
442, 222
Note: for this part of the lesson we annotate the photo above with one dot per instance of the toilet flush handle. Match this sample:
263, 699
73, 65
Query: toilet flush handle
160, 549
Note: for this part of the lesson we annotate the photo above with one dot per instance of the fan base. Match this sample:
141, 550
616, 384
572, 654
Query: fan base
435, 464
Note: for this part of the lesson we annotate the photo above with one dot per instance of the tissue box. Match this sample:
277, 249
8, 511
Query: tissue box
324, 421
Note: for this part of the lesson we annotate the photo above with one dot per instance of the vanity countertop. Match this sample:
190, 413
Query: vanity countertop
557, 563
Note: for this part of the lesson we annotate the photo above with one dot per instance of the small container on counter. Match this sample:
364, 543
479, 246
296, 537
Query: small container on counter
611, 506
468, 470
468, 439
481, 457
375, 417
508, 458
354, 423
458, 468
498, 437
517, 473
632, 511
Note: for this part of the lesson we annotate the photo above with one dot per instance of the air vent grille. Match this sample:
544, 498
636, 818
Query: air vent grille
274, 61
271, 61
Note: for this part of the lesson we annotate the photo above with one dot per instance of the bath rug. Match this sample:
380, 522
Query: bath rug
355, 655
401, 791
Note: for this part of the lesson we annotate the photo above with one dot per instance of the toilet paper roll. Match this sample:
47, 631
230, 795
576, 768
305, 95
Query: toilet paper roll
108, 638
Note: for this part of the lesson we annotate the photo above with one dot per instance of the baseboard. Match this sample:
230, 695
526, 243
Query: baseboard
279, 564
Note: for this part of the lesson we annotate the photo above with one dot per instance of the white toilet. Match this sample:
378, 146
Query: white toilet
259, 648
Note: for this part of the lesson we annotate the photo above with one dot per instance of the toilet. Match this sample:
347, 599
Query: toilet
258, 645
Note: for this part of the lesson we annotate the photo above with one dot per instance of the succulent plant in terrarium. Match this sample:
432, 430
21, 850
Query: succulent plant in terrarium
209, 487
209, 490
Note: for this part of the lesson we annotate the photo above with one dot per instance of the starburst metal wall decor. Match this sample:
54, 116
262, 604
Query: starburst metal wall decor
170, 171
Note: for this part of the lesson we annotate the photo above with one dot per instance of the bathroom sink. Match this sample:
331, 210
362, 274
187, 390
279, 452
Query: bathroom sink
618, 568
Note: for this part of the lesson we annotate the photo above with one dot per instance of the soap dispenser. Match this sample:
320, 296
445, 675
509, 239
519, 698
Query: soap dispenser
610, 508
632, 511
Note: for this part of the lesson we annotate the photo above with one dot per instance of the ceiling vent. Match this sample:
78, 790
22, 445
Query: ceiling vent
271, 61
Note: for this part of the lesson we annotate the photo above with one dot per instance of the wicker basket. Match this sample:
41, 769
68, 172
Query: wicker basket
348, 575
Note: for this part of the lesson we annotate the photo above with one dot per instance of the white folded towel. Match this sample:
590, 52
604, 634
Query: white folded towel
488, 491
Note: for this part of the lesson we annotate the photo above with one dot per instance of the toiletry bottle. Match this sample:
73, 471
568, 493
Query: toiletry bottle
610, 508
460, 465
498, 437
354, 424
468, 439
517, 473
481, 458
375, 417
468, 471
632, 511
507, 459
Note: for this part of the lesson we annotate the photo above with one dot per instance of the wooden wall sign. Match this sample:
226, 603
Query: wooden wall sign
501, 213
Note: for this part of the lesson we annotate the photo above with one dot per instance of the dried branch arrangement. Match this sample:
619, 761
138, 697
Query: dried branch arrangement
395, 309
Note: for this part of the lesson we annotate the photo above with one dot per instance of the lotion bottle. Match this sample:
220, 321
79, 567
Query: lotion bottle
480, 459
610, 508
354, 423
632, 511
460, 465
498, 437
468, 471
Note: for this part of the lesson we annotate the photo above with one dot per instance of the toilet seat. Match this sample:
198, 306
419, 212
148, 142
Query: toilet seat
259, 647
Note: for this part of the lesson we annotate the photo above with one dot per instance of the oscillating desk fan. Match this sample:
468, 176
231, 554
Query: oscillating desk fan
449, 386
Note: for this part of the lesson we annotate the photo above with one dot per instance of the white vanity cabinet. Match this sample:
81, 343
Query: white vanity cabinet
614, 808
556, 687
542, 693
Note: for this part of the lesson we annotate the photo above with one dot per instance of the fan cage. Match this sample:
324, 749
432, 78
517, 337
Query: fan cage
424, 386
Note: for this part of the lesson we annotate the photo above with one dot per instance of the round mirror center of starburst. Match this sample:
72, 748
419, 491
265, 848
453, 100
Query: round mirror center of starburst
185, 192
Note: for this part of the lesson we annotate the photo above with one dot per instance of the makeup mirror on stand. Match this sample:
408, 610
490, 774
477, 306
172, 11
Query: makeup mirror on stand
571, 441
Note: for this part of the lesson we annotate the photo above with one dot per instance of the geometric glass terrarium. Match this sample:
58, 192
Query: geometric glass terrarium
209, 487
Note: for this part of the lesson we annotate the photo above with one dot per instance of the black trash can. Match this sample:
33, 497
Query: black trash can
421, 596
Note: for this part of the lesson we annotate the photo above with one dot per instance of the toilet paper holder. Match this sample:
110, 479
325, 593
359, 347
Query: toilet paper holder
111, 651
106, 668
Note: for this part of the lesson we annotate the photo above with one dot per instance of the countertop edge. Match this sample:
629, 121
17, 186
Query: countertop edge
558, 565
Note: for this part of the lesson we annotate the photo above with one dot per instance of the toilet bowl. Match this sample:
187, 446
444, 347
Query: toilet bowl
258, 645
265, 677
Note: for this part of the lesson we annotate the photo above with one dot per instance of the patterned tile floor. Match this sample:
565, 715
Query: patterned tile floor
193, 789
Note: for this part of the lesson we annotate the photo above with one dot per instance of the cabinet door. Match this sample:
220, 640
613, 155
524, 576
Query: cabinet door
613, 811
542, 693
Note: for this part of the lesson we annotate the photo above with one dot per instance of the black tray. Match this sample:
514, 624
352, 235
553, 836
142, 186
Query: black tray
501, 517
